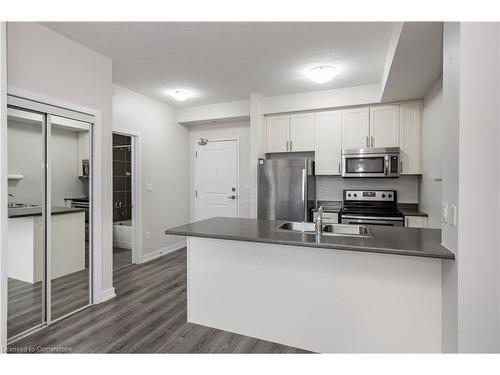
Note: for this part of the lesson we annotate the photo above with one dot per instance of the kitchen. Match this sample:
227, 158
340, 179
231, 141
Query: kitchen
368, 159
311, 204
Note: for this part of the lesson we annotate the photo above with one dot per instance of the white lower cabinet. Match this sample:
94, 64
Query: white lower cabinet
328, 148
416, 221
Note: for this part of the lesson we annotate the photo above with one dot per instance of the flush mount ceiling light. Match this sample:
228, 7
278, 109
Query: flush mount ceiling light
180, 95
322, 74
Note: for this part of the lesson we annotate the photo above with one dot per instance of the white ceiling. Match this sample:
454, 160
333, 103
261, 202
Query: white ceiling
221, 62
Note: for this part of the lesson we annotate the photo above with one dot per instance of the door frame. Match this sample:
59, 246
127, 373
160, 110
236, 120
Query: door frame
136, 143
195, 172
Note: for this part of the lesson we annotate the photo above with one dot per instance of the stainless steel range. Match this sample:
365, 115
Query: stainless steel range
371, 207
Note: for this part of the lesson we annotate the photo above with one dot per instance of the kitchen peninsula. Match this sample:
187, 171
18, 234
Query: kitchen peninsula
26, 242
375, 292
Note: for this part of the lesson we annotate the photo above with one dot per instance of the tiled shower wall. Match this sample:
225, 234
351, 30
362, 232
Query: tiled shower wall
122, 178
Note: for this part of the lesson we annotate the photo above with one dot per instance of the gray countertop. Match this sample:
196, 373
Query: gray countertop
37, 211
421, 242
410, 209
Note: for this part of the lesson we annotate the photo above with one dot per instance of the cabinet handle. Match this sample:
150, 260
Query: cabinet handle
372, 140
367, 142
401, 167
287, 145
339, 168
290, 145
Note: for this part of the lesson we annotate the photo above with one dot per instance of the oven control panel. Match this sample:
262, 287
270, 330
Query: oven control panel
370, 195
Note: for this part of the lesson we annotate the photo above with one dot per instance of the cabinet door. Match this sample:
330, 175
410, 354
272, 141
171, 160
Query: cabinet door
384, 126
416, 221
277, 133
410, 138
355, 128
302, 132
328, 147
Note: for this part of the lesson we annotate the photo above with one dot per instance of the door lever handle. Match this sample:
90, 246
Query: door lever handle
231, 197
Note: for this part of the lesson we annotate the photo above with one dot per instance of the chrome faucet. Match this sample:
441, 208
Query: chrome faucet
319, 220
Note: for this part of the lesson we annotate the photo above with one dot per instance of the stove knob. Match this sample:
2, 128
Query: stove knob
349, 194
355, 195
390, 195
383, 196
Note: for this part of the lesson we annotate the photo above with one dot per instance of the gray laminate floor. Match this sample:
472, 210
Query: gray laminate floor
121, 258
148, 315
24, 309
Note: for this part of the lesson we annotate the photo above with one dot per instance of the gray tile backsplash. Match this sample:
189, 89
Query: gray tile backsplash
331, 187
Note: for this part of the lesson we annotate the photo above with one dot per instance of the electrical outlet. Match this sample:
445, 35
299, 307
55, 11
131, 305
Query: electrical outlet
148, 235
445, 212
453, 215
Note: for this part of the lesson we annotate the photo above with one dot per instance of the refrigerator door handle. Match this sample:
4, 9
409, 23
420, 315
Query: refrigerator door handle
304, 192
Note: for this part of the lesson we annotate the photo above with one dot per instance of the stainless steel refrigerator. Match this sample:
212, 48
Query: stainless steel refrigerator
286, 189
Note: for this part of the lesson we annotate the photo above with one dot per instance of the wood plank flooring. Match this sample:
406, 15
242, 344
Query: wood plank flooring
69, 293
121, 258
147, 316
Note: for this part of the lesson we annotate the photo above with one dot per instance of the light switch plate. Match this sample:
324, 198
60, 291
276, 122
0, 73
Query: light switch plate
453, 215
445, 213
148, 235
149, 187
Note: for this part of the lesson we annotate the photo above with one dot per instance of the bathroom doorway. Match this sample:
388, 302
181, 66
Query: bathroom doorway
123, 200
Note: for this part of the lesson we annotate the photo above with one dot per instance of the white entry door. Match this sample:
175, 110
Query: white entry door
216, 179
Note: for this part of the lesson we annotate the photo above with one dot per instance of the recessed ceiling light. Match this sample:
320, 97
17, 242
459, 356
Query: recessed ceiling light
180, 95
322, 74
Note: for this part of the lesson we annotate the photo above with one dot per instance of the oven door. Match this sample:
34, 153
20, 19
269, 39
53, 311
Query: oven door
373, 220
370, 165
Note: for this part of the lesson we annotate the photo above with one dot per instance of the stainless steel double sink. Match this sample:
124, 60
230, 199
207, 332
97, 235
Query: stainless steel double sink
350, 230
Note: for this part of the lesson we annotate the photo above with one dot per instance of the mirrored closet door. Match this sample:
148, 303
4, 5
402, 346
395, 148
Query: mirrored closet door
49, 225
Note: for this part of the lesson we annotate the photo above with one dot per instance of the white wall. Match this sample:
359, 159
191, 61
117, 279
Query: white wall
341, 97
449, 236
46, 63
331, 187
239, 130
165, 165
479, 202
239, 108
3, 186
432, 143
25, 150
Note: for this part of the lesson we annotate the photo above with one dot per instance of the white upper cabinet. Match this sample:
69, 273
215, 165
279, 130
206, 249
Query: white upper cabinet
328, 126
355, 128
277, 133
384, 126
410, 127
302, 132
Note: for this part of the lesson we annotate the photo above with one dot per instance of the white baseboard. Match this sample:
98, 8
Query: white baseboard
107, 295
122, 244
163, 251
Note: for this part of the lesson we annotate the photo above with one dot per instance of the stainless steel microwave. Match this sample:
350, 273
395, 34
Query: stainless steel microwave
370, 162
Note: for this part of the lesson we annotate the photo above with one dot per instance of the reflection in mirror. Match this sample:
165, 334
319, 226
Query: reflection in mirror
26, 250
69, 224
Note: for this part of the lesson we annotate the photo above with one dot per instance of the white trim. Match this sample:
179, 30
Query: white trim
163, 251
98, 208
136, 246
195, 168
108, 294
3, 186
